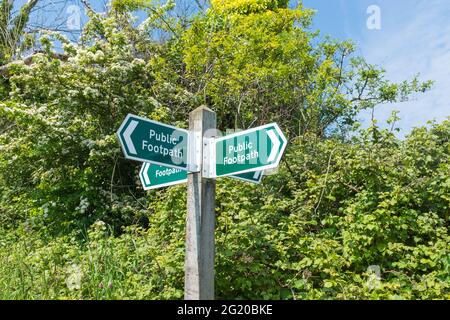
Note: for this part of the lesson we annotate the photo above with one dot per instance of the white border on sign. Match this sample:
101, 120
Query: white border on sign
248, 180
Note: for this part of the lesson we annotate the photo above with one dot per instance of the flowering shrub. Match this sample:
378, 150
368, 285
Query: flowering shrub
343, 218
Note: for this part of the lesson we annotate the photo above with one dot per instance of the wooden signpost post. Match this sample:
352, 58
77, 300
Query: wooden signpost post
201, 218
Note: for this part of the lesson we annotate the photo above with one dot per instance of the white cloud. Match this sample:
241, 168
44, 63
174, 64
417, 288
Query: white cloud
413, 39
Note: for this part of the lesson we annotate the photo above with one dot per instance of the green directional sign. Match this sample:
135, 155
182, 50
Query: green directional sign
255, 149
154, 176
150, 141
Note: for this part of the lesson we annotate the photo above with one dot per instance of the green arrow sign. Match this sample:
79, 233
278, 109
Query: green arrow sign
156, 176
150, 141
255, 149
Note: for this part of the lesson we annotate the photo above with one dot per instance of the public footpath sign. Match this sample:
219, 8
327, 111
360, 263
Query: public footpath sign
172, 155
255, 149
155, 176
150, 141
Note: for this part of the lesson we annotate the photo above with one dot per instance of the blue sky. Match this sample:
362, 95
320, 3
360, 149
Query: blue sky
414, 38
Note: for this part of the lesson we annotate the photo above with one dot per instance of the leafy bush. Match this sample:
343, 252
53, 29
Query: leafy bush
334, 213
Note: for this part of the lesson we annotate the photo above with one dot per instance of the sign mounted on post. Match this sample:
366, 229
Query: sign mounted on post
255, 149
150, 141
154, 176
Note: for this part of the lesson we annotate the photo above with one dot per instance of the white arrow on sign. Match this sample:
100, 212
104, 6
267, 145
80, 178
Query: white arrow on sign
127, 135
276, 145
144, 175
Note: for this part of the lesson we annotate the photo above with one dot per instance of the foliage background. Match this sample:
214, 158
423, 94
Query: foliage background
77, 225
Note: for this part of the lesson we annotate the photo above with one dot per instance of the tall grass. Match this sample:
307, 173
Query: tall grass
98, 267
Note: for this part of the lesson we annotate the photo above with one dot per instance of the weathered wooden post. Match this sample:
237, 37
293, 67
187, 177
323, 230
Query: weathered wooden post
200, 221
